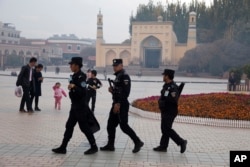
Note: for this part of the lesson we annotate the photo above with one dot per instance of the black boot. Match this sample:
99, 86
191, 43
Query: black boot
160, 149
59, 150
137, 147
183, 146
92, 150
108, 147
62, 149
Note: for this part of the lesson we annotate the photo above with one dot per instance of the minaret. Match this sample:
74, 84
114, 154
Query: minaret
99, 34
191, 41
99, 40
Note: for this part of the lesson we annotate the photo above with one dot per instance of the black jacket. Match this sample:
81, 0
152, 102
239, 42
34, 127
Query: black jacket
168, 101
122, 85
24, 75
78, 93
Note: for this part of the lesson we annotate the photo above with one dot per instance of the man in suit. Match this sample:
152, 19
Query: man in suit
25, 79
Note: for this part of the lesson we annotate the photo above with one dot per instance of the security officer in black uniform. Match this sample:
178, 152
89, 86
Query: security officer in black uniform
168, 104
120, 107
79, 108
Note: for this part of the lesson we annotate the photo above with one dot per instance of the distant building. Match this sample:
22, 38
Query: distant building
70, 44
153, 44
12, 46
9, 34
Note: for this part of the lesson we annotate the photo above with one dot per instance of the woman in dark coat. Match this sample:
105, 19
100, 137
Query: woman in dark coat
38, 79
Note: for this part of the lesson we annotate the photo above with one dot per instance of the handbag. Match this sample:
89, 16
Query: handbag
18, 91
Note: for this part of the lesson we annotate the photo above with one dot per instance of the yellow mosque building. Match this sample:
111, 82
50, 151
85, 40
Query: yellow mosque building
153, 44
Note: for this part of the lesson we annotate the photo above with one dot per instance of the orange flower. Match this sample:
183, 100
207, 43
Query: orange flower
212, 105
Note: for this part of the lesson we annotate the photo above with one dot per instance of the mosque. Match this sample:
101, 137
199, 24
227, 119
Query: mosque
153, 44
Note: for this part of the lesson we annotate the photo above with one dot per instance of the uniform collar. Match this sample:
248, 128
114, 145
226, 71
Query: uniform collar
118, 72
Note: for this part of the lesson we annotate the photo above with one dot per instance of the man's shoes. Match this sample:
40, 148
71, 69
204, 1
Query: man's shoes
107, 148
37, 109
59, 150
160, 149
92, 150
30, 111
137, 147
22, 110
183, 146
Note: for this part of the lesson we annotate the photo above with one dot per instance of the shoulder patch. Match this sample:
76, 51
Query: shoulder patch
83, 84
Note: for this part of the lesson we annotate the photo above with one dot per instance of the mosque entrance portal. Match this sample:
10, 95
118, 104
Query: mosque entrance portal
152, 58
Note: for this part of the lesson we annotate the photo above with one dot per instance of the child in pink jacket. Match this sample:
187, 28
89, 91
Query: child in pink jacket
58, 93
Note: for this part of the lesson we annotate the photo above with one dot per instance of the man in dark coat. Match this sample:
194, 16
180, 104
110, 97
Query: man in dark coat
119, 111
38, 79
79, 112
25, 79
168, 104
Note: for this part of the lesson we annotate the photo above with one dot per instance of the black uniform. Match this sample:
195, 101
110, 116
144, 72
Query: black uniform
168, 104
91, 93
79, 110
121, 91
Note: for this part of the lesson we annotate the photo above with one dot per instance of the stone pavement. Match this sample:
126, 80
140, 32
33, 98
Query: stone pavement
26, 140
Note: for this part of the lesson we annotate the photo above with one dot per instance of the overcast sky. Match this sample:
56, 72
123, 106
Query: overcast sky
44, 18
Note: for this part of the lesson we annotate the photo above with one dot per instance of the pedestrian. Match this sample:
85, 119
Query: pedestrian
88, 74
58, 93
25, 79
38, 79
57, 70
79, 109
168, 104
93, 84
232, 82
120, 107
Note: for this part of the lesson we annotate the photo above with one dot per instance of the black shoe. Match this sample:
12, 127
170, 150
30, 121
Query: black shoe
183, 146
30, 110
137, 147
59, 150
107, 148
92, 150
160, 149
22, 110
37, 109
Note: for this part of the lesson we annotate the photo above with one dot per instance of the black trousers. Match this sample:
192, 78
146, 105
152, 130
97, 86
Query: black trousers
91, 95
122, 119
78, 116
26, 98
36, 100
167, 131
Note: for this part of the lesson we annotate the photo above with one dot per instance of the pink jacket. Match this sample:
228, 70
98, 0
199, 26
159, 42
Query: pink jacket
58, 92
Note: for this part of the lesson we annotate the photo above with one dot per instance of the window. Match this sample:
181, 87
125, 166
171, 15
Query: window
78, 47
2, 33
69, 47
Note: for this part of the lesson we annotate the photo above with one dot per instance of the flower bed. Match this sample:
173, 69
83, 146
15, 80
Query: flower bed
212, 105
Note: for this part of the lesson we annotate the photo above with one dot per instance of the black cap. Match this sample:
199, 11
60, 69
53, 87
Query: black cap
117, 62
94, 72
168, 72
76, 60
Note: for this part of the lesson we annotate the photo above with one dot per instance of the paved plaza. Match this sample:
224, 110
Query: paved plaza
26, 139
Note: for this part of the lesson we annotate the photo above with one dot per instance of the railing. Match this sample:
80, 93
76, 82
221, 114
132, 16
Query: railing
239, 87
194, 120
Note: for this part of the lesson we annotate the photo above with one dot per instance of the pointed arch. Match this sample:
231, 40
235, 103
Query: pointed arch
110, 55
125, 56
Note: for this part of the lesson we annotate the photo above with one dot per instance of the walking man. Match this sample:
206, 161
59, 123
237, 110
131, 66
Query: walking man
25, 79
79, 109
168, 104
120, 107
